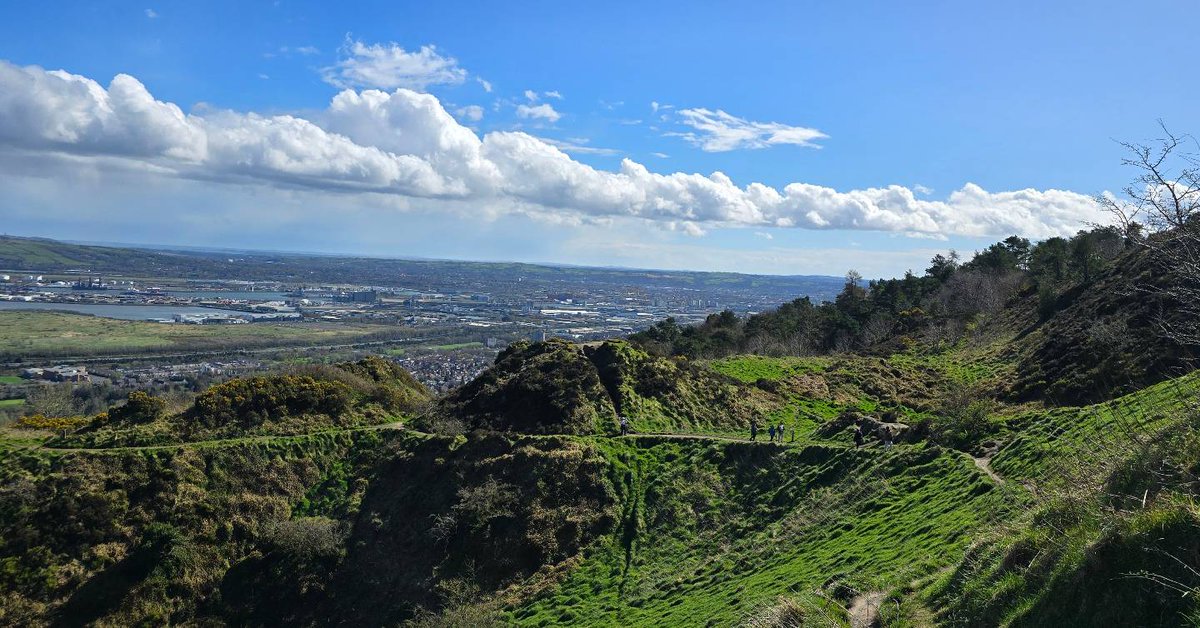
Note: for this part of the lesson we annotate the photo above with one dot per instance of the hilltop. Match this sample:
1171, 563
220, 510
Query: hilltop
52, 256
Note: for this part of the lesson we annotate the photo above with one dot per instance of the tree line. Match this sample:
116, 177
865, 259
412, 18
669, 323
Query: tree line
936, 306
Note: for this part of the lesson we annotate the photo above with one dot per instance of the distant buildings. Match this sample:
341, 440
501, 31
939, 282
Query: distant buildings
209, 319
58, 374
358, 296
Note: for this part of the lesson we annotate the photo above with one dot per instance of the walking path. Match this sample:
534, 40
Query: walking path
864, 608
236, 440
985, 465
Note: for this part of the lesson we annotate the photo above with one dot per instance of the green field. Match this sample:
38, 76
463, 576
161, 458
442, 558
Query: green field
11, 403
10, 379
751, 368
27, 334
455, 346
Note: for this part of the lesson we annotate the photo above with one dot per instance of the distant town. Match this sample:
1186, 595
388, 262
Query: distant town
444, 321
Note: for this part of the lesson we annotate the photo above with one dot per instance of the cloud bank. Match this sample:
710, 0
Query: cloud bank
405, 144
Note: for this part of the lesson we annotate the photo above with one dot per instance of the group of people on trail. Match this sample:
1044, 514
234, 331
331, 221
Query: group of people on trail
773, 431
884, 433
777, 431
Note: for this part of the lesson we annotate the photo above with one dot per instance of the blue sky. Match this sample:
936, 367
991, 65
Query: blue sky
987, 119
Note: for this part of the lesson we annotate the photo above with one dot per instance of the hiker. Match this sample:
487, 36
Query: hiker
887, 437
624, 426
858, 436
753, 429
781, 431
771, 432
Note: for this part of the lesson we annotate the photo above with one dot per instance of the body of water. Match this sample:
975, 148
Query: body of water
123, 312
258, 295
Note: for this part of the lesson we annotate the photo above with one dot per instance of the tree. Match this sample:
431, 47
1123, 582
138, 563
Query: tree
140, 407
1160, 212
942, 266
853, 277
1048, 260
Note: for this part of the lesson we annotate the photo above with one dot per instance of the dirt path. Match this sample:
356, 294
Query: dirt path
864, 608
985, 465
240, 440
245, 440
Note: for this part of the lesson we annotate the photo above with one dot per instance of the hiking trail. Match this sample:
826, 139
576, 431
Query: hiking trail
985, 464
864, 608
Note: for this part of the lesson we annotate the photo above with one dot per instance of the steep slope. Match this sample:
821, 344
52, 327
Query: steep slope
1114, 537
712, 533
1103, 338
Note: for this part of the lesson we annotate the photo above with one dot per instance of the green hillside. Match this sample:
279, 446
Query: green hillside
1011, 475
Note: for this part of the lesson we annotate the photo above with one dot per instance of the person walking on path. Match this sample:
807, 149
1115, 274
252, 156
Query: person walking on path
781, 431
771, 432
753, 429
858, 436
624, 426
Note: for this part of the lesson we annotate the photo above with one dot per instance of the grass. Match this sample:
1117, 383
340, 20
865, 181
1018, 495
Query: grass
714, 532
1040, 441
1114, 538
10, 379
455, 346
751, 368
28, 334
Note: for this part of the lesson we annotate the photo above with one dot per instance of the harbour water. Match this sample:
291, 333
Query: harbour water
122, 312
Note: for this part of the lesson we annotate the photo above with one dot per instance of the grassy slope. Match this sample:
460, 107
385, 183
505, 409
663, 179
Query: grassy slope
52, 333
711, 532
1116, 488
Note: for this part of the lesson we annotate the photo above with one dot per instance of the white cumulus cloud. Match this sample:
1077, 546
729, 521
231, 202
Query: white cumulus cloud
718, 131
404, 145
543, 112
474, 113
388, 66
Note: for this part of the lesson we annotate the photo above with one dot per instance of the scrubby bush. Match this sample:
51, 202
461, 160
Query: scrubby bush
57, 424
139, 407
252, 401
963, 421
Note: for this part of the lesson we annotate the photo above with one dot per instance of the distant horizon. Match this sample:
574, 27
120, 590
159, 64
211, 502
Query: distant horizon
159, 247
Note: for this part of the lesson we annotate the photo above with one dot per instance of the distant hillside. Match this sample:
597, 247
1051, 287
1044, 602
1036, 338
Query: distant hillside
53, 256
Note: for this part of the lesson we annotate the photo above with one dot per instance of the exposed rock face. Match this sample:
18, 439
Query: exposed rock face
873, 427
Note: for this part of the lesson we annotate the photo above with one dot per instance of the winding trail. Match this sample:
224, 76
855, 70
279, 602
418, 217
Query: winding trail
237, 440
985, 465
245, 440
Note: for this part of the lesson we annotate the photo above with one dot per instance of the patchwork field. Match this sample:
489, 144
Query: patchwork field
31, 334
